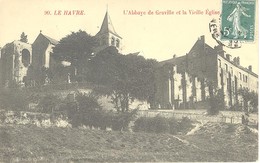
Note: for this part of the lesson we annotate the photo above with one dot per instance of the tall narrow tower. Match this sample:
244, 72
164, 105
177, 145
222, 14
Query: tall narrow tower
107, 35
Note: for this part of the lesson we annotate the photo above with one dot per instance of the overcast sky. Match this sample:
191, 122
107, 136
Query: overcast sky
157, 36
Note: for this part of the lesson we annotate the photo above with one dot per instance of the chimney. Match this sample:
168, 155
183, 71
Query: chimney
238, 61
219, 50
174, 56
228, 57
235, 60
250, 68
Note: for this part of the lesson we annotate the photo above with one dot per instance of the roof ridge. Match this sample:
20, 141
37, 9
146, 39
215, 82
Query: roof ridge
53, 41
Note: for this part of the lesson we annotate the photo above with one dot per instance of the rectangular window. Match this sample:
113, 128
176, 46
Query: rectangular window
227, 84
231, 71
246, 79
233, 86
226, 66
219, 63
240, 76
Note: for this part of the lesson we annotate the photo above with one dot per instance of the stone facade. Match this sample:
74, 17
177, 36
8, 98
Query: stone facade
14, 68
21, 63
232, 76
42, 56
16, 57
42, 51
183, 82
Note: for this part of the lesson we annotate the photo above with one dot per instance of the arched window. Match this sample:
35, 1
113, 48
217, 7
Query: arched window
25, 57
113, 41
117, 43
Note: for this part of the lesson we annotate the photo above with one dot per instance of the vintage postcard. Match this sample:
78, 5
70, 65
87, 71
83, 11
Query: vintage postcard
129, 81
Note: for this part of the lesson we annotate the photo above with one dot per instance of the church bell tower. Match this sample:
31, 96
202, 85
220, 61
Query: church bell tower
107, 35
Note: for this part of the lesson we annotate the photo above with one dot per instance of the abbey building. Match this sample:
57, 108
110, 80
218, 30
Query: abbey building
22, 63
187, 81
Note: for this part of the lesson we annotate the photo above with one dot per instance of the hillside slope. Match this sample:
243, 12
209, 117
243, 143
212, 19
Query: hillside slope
209, 142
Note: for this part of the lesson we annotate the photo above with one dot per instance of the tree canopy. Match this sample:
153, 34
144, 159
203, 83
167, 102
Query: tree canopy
123, 77
249, 97
74, 47
23, 38
126, 77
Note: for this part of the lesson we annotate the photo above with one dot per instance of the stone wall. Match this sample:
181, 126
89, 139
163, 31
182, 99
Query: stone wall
201, 116
31, 118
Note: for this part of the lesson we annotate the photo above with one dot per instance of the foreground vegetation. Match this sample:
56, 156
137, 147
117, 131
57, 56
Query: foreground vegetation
154, 139
210, 142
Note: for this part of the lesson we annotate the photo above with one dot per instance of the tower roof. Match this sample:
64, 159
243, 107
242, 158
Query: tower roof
107, 26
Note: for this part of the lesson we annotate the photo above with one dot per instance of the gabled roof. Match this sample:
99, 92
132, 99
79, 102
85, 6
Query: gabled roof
52, 41
240, 67
207, 49
107, 26
174, 61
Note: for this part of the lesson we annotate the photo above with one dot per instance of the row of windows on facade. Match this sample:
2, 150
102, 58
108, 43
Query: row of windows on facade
241, 77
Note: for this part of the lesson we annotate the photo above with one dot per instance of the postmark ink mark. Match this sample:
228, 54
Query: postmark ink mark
238, 20
216, 33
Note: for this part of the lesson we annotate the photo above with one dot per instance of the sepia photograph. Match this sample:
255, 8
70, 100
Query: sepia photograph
129, 81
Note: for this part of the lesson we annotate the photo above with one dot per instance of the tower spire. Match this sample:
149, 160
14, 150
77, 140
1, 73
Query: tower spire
107, 35
107, 26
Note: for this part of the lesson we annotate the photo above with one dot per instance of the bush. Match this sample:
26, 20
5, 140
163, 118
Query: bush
160, 124
185, 124
141, 124
14, 99
156, 124
85, 110
49, 103
173, 126
217, 103
120, 121
105, 120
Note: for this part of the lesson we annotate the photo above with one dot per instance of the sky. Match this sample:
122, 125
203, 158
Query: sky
157, 36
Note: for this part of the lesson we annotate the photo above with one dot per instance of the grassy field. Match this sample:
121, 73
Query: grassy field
209, 142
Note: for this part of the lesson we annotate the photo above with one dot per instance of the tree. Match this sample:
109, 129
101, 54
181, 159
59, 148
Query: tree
245, 94
254, 101
216, 102
23, 38
216, 98
126, 77
74, 48
86, 110
249, 97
